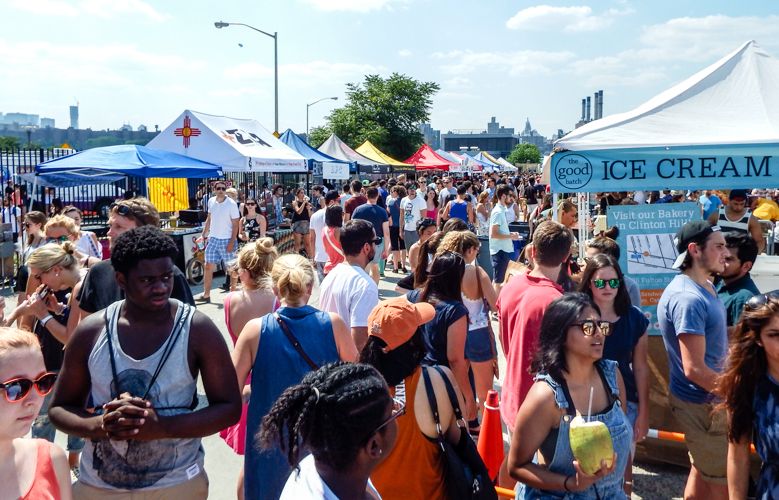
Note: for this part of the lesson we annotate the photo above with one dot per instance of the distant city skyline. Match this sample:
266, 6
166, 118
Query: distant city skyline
143, 62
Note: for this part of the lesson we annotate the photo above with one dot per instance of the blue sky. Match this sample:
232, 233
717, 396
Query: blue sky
144, 61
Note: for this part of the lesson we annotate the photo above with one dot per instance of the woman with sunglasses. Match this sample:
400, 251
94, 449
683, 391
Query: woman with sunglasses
344, 416
749, 387
31, 468
628, 343
445, 335
395, 348
36, 238
571, 378
253, 224
266, 348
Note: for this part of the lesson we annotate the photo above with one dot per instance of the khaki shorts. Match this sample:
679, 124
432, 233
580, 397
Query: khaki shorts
196, 489
705, 433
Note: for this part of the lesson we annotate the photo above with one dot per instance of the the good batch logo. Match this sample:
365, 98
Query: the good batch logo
573, 171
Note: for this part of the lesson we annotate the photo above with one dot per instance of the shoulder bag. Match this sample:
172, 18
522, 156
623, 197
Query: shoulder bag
295, 342
465, 474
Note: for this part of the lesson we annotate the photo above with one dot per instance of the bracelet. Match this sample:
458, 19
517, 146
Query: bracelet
45, 319
565, 484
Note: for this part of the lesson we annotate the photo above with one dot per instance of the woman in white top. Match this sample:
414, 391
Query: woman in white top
483, 209
344, 415
87, 242
479, 297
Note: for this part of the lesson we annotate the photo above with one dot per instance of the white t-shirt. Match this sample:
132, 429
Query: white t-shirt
410, 211
317, 224
307, 484
349, 292
222, 217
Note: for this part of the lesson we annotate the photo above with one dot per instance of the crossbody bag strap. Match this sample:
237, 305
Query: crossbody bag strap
332, 244
452, 397
431, 399
295, 342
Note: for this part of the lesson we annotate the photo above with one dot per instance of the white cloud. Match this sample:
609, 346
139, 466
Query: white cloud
569, 19
306, 74
517, 63
405, 53
353, 5
105, 9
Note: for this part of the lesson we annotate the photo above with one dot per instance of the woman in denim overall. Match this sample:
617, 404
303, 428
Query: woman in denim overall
568, 369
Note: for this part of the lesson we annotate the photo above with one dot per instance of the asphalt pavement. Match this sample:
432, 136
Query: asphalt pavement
651, 481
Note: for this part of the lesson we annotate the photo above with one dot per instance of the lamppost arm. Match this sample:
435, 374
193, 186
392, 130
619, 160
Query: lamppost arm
221, 24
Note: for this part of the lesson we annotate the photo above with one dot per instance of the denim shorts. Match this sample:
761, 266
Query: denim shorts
480, 345
500, 262
300, 226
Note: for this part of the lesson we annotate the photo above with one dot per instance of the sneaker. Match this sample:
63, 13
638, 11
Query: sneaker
75, 473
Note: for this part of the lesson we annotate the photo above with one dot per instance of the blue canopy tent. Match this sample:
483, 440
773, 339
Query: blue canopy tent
318, 162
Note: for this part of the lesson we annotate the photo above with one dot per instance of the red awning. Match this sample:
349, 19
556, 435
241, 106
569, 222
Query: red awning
427, 159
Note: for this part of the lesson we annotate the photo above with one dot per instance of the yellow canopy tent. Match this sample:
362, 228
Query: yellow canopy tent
368, 150
169, 195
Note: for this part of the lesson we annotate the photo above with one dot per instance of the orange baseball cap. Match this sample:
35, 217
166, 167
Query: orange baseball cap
396, 320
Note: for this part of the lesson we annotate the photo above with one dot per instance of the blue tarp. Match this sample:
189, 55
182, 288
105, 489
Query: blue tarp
88, 166
311, 154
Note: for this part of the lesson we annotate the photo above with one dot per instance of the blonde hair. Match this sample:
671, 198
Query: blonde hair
52, 254
458, 242
14, 338
62, 221
257, 258
292, 276
483, 196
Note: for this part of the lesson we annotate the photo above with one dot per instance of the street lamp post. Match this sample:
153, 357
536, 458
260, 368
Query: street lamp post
275, 36
309, 105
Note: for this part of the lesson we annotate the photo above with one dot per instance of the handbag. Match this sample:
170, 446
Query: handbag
465, 474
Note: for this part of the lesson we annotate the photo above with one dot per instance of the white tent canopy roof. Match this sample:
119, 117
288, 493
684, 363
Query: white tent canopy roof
733, 101
236, 144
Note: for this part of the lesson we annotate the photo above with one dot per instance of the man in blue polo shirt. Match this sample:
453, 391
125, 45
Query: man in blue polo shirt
693, 323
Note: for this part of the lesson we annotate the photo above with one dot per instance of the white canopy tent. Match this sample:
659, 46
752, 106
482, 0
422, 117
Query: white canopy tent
237, 145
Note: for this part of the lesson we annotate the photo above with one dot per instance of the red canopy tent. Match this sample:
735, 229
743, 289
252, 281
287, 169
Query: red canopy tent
427, 159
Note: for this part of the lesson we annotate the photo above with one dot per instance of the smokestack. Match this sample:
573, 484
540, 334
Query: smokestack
584, 107
600, 104
589, 108
595, 106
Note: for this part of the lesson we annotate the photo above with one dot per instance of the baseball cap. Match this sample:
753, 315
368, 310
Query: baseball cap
738, 193
694, 231
366, 182
396, 320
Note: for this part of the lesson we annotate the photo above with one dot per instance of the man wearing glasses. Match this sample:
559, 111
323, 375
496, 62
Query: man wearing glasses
220, 233
694, 328
348, 290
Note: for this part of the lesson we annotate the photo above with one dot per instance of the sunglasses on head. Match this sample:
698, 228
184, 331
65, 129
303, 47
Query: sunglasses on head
601, 283
588, 327
123, 210
18, 388
759, 301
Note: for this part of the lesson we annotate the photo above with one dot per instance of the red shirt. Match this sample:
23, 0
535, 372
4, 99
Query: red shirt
354, 202
521, 306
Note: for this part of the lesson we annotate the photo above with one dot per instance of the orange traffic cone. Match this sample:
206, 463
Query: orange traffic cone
490, 443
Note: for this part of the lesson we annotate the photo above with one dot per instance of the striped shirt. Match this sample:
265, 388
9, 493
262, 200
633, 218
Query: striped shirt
740, 225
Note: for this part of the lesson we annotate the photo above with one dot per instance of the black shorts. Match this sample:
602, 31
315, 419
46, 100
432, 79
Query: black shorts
396, 243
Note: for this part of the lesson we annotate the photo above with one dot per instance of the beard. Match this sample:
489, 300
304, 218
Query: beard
372, 254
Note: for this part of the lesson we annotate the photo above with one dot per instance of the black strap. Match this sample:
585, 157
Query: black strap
431, 399
452, 397
295, 342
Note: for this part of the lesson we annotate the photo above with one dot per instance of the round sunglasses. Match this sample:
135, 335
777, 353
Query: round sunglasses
601, 283
18, 388
588, 327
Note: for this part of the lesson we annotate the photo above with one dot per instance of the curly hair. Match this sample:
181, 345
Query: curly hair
458, 241
746, 366
558, 317
140, 243
332, 412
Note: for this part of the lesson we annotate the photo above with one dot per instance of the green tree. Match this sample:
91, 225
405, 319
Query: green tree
385, 111
7, 142
102, 140
524, 153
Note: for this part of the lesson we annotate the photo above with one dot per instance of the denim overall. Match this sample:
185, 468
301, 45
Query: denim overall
609, 487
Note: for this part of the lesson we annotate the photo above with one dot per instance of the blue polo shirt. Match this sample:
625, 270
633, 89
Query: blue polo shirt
686, 307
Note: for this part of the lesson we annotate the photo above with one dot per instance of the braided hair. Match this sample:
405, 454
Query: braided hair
332, 413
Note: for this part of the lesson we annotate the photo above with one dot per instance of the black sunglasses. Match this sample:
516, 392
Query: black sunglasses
588, 327
758, 301
398, 410
601, 283
374, 241
250, 204
123, 210
18, 388
220, 188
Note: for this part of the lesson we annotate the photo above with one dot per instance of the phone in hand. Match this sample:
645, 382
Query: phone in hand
44, 293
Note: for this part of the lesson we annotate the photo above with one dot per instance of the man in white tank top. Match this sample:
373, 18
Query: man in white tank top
136, 363
735, 216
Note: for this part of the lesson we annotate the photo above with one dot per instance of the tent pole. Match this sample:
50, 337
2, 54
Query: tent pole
554, 205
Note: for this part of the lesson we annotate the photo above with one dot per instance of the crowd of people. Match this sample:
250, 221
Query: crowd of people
331, 398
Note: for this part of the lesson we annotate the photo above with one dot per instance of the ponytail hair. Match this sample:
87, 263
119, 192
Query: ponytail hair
332, 412
293, 276
53, 254
257, 258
